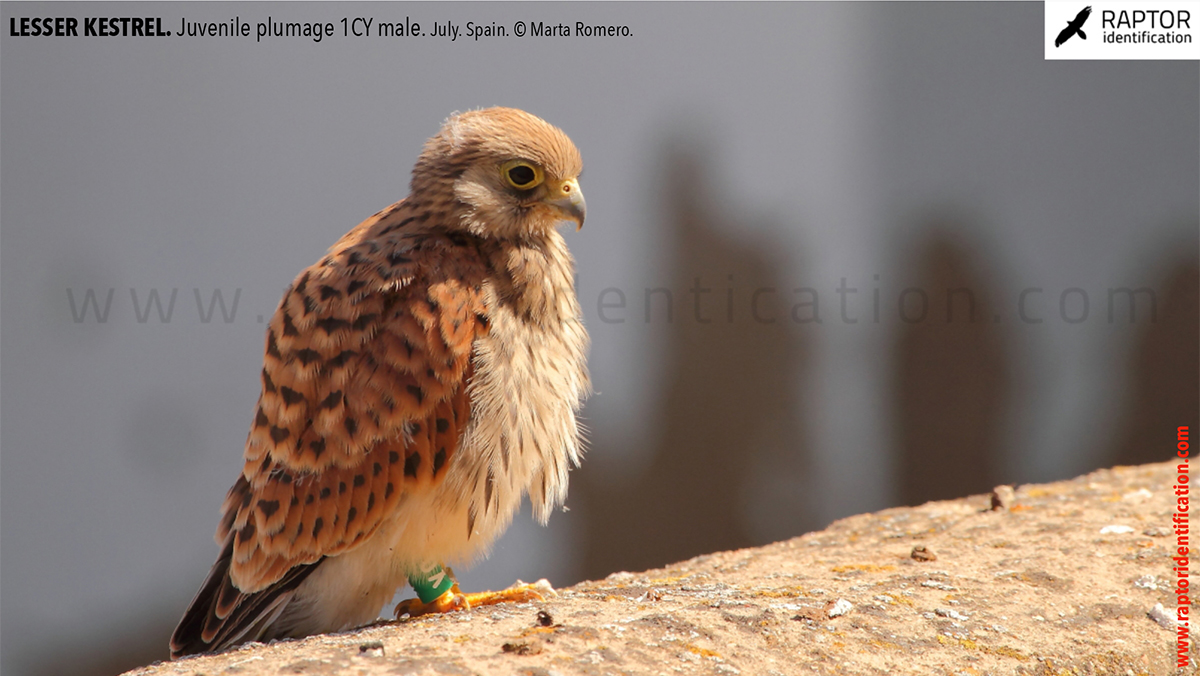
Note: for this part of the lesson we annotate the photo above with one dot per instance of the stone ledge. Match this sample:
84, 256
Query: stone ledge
1040, 587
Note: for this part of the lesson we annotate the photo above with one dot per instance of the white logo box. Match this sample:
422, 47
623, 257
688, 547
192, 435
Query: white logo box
1118, 31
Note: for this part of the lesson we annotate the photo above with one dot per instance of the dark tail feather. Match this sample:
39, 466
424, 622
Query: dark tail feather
221, 616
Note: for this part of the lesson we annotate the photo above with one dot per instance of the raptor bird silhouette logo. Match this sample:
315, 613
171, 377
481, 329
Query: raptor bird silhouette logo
1074, 26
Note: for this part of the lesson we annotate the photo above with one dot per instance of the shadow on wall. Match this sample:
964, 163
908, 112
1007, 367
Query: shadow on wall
727, 416
951, 374
1164, 381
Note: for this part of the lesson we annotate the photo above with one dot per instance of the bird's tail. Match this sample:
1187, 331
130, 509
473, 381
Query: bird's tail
221, 616
1082, 35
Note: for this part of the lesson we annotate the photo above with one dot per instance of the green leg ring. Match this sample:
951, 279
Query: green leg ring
431, 584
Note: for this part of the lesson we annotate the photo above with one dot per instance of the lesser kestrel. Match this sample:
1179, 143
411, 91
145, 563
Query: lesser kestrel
418, 382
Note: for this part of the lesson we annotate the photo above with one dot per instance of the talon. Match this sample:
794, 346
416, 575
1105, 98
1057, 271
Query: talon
449, 602
455, 600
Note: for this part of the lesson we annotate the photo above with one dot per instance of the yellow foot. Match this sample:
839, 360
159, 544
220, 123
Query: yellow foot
456, 600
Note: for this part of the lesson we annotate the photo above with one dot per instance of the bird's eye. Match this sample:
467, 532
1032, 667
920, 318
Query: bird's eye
521, 174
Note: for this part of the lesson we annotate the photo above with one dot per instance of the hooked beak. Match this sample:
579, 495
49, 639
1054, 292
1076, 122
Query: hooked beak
568, 198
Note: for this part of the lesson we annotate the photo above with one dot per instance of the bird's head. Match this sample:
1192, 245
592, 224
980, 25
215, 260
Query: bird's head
503, 172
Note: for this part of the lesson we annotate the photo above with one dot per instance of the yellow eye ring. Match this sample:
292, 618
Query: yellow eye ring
522, 175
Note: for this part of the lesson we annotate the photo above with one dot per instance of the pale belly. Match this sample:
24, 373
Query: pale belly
351, 589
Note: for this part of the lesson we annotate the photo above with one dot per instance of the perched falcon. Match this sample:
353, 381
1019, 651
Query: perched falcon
418, 382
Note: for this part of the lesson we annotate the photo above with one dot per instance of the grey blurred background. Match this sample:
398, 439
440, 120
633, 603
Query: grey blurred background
746, 167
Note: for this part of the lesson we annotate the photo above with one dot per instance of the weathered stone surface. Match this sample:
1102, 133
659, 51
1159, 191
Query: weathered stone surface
1036, 588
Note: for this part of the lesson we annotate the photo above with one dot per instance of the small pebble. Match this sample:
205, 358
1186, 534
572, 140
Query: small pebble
1116, 529
809, 614
839, 608
1149, 582
544, 618
1163, 617
923, 553
934, 584
372, 649
650, 595
1003, 497
525, 646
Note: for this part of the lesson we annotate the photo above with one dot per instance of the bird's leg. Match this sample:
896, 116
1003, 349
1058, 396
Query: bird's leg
453, 599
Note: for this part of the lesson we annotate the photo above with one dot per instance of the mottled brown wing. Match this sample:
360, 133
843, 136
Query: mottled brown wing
282, 518
364, 395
